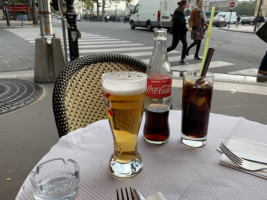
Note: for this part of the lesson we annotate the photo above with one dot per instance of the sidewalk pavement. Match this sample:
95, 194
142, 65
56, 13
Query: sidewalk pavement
15, 24
28, 133
241, 28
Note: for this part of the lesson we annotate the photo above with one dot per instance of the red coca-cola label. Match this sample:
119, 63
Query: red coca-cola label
159, 87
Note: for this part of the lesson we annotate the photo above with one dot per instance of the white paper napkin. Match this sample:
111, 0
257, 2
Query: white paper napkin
156, 196
248, 147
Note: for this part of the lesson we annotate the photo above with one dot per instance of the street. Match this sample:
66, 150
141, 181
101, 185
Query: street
235, 52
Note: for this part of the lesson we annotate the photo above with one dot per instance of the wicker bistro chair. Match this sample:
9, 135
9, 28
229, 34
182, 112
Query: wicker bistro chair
77, 94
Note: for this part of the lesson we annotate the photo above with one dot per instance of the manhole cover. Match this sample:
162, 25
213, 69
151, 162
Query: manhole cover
15, 93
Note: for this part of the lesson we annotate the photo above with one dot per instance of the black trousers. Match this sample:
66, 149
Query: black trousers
175, 41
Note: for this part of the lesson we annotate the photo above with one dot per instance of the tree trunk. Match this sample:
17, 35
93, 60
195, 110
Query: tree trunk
103, 9
34, 15
28, 10
97, 10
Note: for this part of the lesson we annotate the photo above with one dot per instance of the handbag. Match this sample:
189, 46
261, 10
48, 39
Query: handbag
262, 32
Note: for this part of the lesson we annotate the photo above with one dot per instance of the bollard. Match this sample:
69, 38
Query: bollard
49, 60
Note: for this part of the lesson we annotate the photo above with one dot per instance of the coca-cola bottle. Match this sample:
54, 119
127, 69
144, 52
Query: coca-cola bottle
158, 96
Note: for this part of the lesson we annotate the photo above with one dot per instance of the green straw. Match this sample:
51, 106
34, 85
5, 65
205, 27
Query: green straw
208, 40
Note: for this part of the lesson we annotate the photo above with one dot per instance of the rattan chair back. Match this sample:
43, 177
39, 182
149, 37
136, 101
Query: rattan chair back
77, 94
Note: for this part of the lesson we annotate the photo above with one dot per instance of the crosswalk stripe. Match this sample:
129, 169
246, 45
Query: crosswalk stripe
146, 53
246, 72
82, 46
196, 66
173, 58
90, 38
114, 50
87, 40
106, 42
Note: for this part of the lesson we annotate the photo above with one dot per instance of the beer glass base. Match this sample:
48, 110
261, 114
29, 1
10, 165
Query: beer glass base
193, 142
156, 142
125, 170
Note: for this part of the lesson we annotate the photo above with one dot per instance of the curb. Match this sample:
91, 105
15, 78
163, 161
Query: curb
226, 29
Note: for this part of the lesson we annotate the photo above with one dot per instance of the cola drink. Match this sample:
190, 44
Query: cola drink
158, 94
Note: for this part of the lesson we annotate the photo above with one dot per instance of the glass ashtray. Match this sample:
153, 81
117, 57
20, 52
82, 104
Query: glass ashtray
55, 179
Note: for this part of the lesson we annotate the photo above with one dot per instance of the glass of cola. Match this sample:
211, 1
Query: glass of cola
196, 102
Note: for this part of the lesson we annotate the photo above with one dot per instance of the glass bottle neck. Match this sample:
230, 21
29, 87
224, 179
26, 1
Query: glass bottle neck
159, 55
159, 47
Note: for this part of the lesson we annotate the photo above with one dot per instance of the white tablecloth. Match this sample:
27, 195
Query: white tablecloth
176, 170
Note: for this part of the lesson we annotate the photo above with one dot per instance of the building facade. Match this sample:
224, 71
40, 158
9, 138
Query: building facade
193, 3
263, 9
224, 4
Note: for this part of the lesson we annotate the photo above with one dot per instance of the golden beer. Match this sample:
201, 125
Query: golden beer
124, 94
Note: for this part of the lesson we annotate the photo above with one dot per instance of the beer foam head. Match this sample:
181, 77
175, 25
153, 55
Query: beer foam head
124, 83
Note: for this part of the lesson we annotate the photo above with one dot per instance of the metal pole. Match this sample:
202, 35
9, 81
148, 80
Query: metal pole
6, 13
257, 18
34, 20
14, 10
40, 7
64, 35
28, 10
230, 19
72, 30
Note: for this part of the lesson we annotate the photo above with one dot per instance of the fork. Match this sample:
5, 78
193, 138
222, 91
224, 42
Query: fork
126, 194
247, 165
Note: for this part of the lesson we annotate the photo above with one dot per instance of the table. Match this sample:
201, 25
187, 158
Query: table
176, 170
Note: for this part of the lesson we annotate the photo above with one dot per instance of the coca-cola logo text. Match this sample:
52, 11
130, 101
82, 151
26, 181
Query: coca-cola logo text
159, 88
164, 89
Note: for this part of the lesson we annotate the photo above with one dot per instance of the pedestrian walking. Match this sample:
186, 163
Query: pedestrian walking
260, 21
237, 21
179, 29
262, 33
197, 26
263, 66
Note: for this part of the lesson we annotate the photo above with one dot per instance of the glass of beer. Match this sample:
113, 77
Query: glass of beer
196, 102
124, 95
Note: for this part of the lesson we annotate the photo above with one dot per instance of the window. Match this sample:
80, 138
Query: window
136, 8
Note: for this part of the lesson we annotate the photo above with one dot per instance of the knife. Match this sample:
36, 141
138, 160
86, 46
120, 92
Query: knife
250, 158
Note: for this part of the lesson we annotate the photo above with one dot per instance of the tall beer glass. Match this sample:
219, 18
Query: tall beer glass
124, 95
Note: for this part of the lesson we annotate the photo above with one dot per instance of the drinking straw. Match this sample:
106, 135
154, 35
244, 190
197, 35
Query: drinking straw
208, 39
207, 62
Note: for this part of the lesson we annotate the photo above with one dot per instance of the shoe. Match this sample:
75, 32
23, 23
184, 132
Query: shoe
183, 62
197, 58
262, 72
187, 52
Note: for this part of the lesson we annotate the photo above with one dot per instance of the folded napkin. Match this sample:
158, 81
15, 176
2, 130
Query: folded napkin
248, 147
157, 196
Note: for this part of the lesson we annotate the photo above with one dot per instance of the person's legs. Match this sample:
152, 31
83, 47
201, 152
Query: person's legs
263, 66
197, 50
191, 45
183, 40
175, 41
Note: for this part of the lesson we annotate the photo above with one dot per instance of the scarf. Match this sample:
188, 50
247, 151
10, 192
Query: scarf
201, 14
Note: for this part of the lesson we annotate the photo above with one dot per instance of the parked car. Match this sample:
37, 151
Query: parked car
126, 19
223, 18
208, 13
246, 20
219, 20
232, 21
153, 14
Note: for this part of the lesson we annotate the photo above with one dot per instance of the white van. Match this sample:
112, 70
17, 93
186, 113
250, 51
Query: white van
152, 14
223, 18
